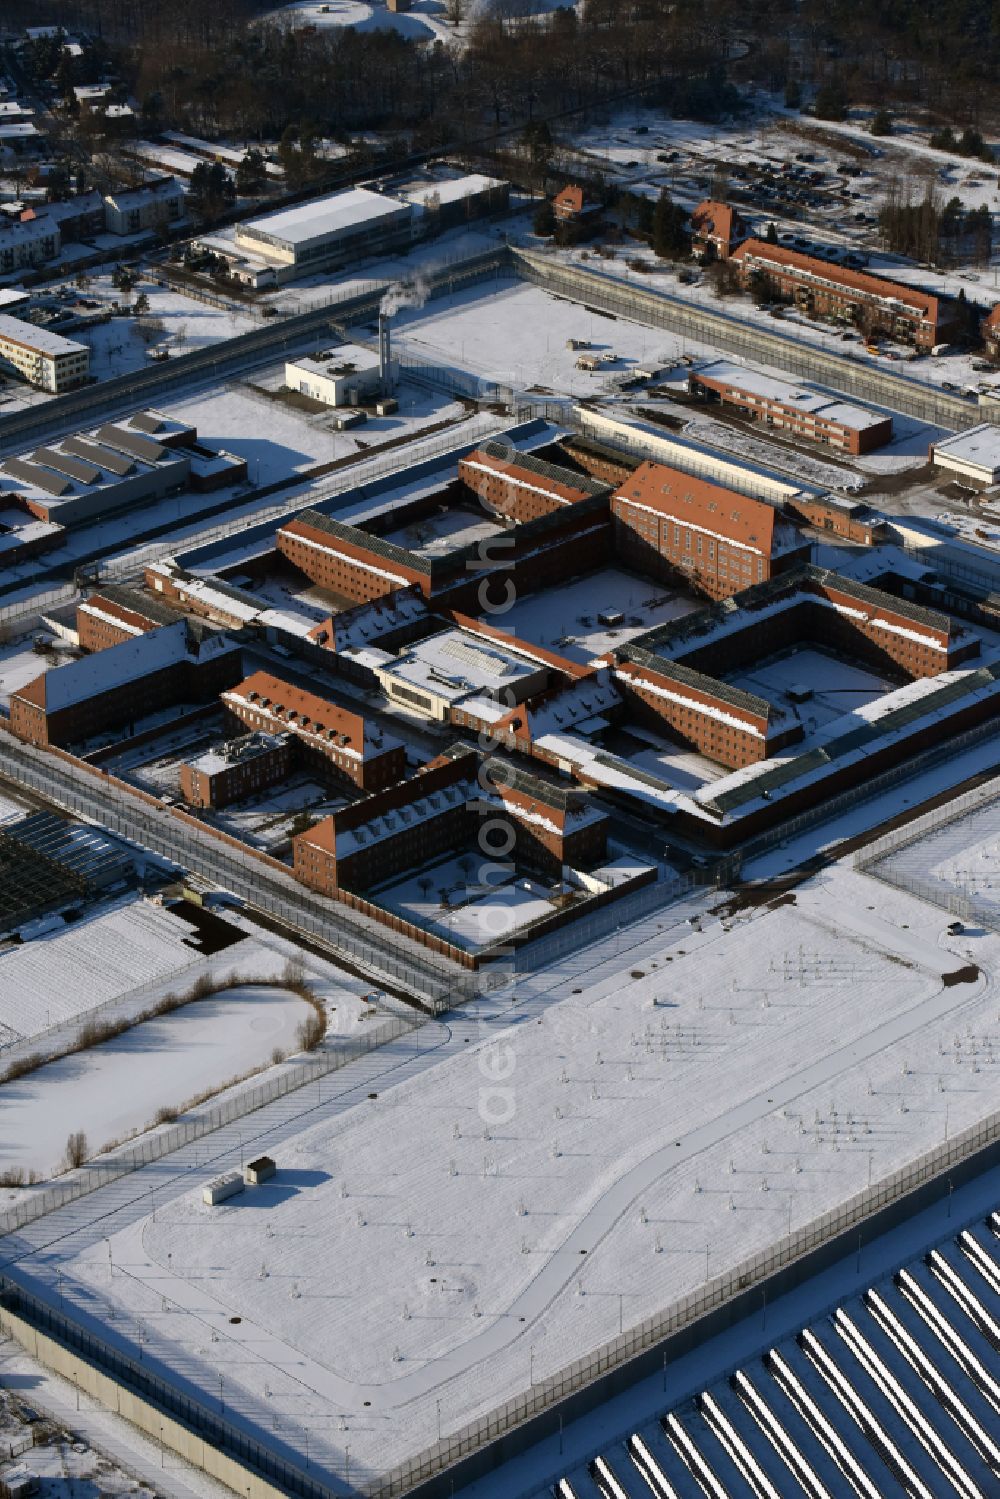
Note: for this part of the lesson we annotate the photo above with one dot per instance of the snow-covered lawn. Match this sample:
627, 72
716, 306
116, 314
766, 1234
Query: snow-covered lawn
838, 687
472, 331
20, 663
565, 618
663, 1116
277, 440
116, 1088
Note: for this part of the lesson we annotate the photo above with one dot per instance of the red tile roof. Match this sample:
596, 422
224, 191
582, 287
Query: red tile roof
873, 286
700, 503
569, 198
311, 712
712, 218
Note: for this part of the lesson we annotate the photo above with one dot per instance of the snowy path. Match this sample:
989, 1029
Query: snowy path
559, 1269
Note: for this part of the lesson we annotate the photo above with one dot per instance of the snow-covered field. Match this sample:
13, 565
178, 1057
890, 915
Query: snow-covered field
277, 440
961, 858
425, 22
115, 1089
100, 957
472, 331
565, 618
660, 1117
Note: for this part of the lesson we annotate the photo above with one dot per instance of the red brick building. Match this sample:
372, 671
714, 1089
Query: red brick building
902, 312
116, 613
347, 561
552, 825
392, 830
331, 739
716, 230
521, 487
990, 329
667, 522
119, 686
572, 206
668, 676
793, 409
235, 770
441, 810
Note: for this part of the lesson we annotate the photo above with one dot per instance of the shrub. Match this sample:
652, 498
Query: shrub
165, 1115
311, 1031
23, 1066
76, 1149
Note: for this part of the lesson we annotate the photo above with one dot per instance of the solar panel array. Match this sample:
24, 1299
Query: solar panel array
895, 1394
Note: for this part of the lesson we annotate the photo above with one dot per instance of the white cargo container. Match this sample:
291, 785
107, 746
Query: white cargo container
223, 1187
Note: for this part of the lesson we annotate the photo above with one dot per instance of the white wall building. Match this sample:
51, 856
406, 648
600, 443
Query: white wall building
151, 206
330, 231
972, 455
349, 375
45, 359
28, 242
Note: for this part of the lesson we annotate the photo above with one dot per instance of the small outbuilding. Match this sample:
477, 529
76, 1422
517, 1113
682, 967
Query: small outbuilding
222, 1188
260, 1170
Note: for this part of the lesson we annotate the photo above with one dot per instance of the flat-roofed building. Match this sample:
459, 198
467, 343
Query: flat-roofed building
331, 738
93, 474
328, 231
457, 672
973, 455
43, 358
349, 375
239, 768
668, 522
794, 409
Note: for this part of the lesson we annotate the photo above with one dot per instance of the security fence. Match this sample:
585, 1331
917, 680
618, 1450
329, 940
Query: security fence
883, 858
352, 938
737, 335
344, 482
13, 615
262, 1454
163, 1141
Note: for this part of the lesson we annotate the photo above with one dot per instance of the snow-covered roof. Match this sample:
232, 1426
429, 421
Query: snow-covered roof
64, 686
325, 217
456, 663
42, 340
345, 359
798, 397
978, 446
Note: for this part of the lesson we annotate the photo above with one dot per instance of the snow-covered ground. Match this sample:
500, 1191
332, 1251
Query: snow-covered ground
961, 858
565, 618
20, 663
115, 1089
424, 22
277, 440
838, 687
663, 1115
471, 331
